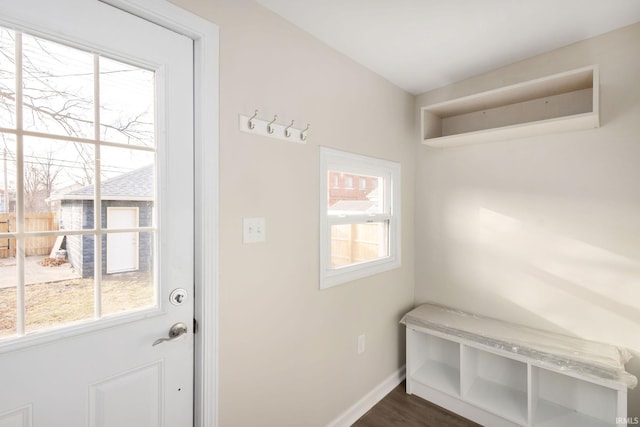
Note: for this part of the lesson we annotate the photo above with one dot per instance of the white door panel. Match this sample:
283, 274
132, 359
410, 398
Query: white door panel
20, 417
131, 398
104, 371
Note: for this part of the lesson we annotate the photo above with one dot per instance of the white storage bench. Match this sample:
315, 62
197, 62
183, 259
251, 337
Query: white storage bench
502, 374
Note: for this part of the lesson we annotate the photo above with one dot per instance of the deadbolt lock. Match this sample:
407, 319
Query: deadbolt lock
178, 296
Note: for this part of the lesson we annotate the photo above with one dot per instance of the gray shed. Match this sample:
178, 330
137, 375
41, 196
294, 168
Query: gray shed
127, 202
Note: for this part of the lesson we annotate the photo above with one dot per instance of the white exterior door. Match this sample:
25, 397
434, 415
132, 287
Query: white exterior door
95, 105
122, 248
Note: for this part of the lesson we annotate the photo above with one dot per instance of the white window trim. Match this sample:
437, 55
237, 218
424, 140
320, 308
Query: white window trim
337, 160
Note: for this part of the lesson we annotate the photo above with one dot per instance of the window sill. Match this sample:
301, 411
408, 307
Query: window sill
333, 277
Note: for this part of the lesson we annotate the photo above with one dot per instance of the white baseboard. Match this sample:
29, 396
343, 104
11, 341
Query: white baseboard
369, 400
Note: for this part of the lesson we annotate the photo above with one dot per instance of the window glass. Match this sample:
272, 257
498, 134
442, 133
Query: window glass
360, 216
356, 243
345, 200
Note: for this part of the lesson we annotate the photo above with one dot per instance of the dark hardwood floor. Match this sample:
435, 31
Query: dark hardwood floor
399, 409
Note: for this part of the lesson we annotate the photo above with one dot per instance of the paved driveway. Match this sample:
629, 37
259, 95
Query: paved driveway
34, 272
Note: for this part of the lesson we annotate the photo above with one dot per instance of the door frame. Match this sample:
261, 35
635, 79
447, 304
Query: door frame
205, 36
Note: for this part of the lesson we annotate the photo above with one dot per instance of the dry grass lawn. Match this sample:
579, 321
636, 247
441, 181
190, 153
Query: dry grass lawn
67, 301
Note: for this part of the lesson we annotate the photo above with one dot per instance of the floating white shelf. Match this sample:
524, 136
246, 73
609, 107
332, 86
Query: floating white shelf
562, 102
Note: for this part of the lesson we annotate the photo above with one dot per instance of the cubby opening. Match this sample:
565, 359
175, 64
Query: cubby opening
559, 400
435, 362
495, 383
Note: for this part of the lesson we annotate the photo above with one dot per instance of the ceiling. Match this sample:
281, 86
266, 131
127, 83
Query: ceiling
420, 45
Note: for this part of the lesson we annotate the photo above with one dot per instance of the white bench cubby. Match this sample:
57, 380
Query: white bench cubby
496, 387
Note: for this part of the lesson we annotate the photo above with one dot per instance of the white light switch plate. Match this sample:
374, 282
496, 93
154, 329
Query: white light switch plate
254, 230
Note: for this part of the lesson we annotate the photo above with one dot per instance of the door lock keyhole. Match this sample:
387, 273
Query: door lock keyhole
178, 296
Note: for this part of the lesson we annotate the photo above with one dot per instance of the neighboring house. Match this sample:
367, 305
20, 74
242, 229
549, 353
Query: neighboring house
344, 186
127, 202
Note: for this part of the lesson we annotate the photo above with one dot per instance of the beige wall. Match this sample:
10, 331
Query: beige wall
542, 231
287, 351
545, 230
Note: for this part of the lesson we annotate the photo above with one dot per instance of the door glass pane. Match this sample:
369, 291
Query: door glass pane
7, 242
354, 243
8, 269
79, 251
7, 79
58, 88
55, 292
128, 283
128, 178
115, 162
8, 170
8, 282
58, 185
127, 100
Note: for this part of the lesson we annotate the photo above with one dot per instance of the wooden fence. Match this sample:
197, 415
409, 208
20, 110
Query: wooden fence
352, 243
33, 221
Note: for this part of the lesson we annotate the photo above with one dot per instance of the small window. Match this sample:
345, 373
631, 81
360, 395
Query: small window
360, 227
335, 178
348, 181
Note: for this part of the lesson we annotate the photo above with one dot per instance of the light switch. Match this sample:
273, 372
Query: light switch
254, 230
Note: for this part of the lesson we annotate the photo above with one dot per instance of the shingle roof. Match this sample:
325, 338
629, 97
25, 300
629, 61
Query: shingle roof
134, 185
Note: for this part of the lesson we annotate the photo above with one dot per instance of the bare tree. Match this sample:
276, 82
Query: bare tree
31, 188
54, 102
40, 173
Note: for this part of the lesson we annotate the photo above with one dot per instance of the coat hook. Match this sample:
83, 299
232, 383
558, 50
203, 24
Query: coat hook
250, 123
303, 134
287, 132
270, 125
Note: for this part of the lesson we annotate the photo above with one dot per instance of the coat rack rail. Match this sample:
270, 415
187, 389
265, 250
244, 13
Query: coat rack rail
272, 129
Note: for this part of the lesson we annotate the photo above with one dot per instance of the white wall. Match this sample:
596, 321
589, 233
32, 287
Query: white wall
543, 231
287, 351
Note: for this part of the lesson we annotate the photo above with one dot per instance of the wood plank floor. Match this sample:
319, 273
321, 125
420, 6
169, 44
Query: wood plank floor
399, 409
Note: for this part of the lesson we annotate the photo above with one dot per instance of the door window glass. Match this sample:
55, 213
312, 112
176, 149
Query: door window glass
77, 141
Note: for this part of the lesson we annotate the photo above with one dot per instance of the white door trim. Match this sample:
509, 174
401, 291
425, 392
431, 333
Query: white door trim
206, 51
